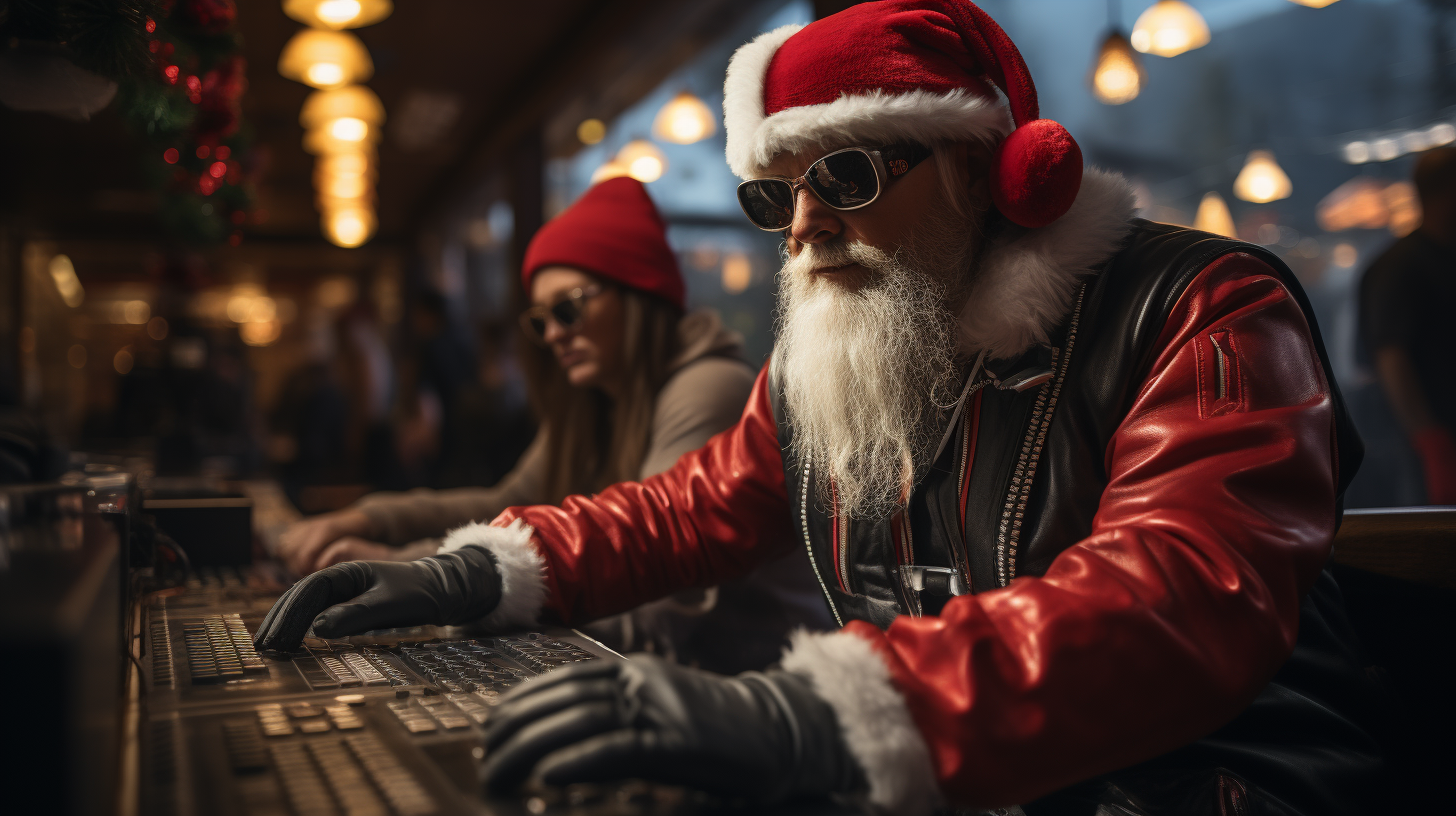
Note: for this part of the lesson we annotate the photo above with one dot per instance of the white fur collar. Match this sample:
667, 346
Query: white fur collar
1028, 279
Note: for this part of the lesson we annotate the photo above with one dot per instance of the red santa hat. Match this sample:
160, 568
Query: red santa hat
615, 232
918, 70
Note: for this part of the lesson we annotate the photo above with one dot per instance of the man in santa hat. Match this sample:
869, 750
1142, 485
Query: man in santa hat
1068, 480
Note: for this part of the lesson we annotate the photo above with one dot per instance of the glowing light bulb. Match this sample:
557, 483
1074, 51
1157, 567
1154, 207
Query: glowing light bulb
349, 129
684, 120
349, 227
1214, 216
737, 272
344, 164
643, 159
68, 286
325, 59
325, 74
260, 334
353, 101
1117, 76
346, 187
1262, 180
611, 169
1169, 28
338, 12
591, 131
1315, 3
646, 168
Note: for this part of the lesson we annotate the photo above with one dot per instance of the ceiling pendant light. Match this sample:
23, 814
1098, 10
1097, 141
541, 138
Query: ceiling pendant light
1214, 216
349, 227
350, 101
1315, 3
643, 159
1168, 28
684, 120
1117, 76
1262, 180
609, 170
337, 14
325, 59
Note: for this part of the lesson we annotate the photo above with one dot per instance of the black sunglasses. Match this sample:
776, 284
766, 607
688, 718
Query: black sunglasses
845, 180
566, 312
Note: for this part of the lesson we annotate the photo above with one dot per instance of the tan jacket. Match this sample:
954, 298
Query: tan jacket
705, 394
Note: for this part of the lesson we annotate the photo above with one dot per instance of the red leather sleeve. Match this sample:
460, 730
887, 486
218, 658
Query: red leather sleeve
716, 514
1179, 607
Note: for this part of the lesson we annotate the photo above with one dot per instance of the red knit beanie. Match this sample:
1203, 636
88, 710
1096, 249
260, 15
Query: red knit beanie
918, 70
613, 231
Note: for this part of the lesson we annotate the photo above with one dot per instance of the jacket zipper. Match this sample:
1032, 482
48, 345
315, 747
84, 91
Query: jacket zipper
1013, 512
1218, 356
809, 545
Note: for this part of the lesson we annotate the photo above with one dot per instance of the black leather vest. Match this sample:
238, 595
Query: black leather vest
1037, 476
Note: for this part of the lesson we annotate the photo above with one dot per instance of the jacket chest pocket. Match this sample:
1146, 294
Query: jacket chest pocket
1220, 374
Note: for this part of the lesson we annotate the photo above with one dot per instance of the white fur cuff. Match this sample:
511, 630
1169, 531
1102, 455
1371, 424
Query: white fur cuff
845, 670
522, 570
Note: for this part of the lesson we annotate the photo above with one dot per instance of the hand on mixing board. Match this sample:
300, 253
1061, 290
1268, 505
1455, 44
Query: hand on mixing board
303, 542
357, 596
354, 548
764, 735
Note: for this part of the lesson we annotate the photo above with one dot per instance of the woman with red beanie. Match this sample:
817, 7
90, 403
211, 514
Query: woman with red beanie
624, 381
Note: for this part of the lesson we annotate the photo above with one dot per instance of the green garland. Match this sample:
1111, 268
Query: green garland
180, 74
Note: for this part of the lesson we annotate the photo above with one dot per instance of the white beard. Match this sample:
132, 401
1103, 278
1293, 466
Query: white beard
867, 374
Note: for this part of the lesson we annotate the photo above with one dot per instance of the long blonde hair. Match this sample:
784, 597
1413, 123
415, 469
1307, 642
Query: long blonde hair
592, 440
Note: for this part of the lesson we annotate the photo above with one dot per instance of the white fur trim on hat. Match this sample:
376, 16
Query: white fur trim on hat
522, 570
1025, 286
743, 92
844, 669
876, 117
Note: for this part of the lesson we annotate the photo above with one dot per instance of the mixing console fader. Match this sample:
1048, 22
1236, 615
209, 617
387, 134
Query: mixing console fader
388, 724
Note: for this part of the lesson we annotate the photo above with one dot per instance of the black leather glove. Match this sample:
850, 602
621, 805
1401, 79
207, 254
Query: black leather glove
356, 596
764, 737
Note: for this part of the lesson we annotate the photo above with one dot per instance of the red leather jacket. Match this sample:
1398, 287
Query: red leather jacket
1155, 629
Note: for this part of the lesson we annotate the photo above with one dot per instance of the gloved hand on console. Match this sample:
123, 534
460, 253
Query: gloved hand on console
452, 588
765, 737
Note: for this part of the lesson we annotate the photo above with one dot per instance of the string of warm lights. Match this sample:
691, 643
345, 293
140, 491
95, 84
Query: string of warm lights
341, 118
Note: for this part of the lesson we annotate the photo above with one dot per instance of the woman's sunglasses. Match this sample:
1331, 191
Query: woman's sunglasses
845, 180
566, 312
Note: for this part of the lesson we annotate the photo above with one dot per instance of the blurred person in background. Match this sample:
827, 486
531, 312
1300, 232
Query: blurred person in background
436, 372
493, 423
1407, 299
624, 383
330, 425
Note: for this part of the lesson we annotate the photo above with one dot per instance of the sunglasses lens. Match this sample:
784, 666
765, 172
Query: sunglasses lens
536, 326
768, 203
566, 312
844, 180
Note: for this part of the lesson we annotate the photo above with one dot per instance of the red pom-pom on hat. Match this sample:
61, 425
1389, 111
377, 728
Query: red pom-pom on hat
615, 232
1036, 173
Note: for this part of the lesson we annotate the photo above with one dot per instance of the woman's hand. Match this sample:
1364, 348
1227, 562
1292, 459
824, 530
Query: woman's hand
354, 548
302, 544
